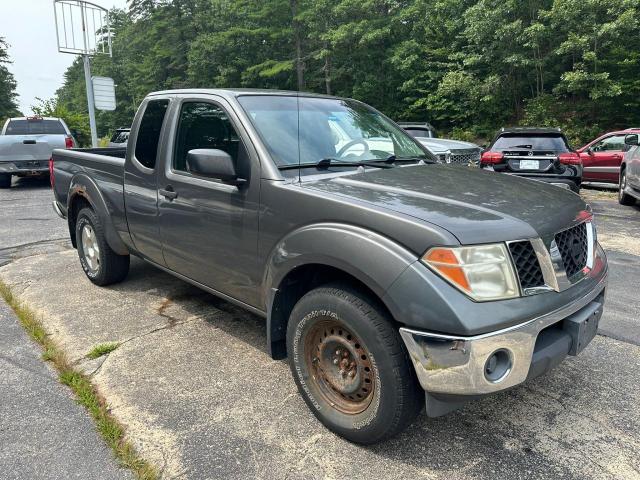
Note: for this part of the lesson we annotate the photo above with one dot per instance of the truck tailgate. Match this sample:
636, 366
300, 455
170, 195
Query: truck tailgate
29, 147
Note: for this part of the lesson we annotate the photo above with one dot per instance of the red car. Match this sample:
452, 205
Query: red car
601, 158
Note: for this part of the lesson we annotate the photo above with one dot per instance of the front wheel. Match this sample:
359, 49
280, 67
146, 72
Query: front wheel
100, 263
624, 198
350, 365
5, 180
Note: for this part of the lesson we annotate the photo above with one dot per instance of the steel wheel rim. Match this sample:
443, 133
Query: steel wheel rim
90, 248
340, 367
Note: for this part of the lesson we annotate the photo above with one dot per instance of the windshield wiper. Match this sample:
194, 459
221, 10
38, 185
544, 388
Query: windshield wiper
520, 146
327, 162
394, 159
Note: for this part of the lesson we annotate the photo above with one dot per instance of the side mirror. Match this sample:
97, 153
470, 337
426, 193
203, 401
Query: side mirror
212, 163
631, 139
589, 151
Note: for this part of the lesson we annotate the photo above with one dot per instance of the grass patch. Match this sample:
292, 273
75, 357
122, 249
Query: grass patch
102, 349
86, 393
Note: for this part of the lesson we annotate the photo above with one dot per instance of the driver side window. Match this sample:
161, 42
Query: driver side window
614, 143
204, 125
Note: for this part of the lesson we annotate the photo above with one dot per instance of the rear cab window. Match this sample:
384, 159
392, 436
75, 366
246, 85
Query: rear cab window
149, 132
35, 126
554, 142
419, 132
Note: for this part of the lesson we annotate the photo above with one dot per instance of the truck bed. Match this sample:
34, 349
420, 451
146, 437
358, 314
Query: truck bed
102, 166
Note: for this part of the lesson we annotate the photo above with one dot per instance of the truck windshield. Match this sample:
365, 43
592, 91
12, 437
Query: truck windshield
35, 127
306, 130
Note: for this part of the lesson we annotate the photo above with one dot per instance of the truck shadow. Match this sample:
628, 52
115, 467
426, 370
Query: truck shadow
31, 183
179, 301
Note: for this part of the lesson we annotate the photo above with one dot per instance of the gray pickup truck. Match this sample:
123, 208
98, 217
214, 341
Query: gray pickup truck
381, 273
26, 144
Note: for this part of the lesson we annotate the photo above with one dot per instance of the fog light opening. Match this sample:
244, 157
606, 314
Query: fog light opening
498, 366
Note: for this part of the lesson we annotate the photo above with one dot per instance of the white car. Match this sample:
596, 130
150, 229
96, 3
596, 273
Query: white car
629, 187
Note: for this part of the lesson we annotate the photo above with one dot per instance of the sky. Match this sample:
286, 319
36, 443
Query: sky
28, 27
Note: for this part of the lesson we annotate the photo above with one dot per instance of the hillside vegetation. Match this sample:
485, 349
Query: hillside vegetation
469, 66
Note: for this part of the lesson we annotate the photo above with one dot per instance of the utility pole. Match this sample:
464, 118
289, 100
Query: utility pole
87, 80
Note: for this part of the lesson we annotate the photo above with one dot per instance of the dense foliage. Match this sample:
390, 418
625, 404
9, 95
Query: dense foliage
8, 95
467, 66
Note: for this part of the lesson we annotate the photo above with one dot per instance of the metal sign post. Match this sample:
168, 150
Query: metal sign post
82, 28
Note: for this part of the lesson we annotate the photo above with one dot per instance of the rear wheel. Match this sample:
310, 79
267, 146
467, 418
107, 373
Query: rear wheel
100, 263
624, 198
351, 366
5, 180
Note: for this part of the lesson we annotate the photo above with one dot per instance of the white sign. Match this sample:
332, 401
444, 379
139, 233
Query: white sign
104, 93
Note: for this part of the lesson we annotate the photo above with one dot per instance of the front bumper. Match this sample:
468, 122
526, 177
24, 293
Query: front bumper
456, 365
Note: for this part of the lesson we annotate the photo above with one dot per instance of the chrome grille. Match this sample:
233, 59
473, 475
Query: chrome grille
573, 246
467, 156
527, 265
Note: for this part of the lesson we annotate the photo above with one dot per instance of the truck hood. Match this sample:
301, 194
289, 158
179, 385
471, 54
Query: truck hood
475, 206
440, 145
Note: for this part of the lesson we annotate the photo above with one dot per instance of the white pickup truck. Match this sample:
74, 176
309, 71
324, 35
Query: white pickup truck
26, 144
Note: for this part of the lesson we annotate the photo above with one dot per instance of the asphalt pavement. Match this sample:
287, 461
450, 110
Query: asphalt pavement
44, 433
201, 398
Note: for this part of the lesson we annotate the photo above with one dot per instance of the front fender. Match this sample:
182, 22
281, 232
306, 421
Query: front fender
82, 185
373, 259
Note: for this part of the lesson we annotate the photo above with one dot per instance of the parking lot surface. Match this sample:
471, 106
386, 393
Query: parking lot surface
201, 398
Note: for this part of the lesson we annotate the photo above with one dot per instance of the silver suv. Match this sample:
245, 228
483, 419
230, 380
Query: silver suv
447, 151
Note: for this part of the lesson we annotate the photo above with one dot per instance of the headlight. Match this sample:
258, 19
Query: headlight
484, 272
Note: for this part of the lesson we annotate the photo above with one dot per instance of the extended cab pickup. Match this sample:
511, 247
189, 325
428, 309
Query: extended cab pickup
381, 273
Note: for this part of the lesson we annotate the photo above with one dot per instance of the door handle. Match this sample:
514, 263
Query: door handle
617, 156
169, 193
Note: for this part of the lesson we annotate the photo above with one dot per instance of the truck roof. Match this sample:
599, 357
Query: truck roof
237, 92
34, 117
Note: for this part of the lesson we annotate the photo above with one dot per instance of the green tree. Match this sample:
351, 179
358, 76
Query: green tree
8, 94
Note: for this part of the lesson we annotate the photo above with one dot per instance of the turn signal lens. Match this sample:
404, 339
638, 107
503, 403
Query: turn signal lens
484, 272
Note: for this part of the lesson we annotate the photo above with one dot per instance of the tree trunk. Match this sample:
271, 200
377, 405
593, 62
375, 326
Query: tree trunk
298, 44
327, 71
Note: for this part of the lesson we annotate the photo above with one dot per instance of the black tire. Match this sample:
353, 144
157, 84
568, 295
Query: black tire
624, 198
394, 397
5, 180
108, 266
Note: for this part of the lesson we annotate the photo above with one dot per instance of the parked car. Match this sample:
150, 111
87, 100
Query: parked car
629, 185
541, 154
419, 129
119, 138
380, 273
26, 144
601, 158
447, 151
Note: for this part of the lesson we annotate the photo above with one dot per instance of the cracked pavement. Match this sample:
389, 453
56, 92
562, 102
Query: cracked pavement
201, 398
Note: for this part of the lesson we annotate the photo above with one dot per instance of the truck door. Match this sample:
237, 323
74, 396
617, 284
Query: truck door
209, 229
140, 180
602, 160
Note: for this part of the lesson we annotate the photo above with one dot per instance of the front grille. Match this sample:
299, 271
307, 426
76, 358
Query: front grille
527, 266
573, 246
469, 156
